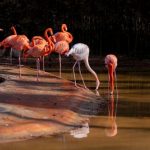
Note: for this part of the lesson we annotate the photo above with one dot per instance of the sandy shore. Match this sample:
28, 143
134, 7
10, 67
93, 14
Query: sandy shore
30, 109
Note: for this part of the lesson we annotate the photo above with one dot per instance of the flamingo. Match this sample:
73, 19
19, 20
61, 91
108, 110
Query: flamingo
111, 64
61, 47
80, 52
39, 48
63, 39
63, 35
6, 42
18, 42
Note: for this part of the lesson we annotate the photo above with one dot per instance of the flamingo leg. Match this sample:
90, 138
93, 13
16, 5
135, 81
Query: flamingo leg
11, 55
74, 73
116, 80
38, 68
81, 74
43, 63
19, 64
60, 65
108, 83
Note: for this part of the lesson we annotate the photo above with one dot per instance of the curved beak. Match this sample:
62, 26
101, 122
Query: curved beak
53, 39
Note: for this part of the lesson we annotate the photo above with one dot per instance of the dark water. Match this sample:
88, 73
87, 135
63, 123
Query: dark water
125, 125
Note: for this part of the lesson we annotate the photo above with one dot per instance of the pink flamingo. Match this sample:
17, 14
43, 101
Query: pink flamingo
80, 52
63, 35
6, 43
111, 64
63, 39
40, 48
18, 42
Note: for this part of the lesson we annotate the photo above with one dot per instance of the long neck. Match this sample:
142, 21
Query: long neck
50, 43
46, 35
14, 30
64, 28
111, 76
86, 61
70, 39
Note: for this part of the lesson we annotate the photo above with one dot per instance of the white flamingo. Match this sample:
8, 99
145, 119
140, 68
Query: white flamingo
80, 52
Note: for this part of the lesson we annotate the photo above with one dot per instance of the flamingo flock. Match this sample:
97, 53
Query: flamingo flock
39, 47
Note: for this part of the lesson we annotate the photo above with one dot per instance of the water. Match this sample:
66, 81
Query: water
132, 120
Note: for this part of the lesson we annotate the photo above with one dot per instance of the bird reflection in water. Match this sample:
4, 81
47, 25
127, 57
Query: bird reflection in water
111, 125
81, 132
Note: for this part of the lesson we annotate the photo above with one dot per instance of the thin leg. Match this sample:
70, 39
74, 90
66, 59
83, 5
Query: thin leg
43, 63
116, 80
60, 65
19, 64
115, 113
11, 55
97, 92
108, 84
74, 73
38, 68
81, 74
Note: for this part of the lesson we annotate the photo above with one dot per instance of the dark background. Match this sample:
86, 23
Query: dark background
121, 27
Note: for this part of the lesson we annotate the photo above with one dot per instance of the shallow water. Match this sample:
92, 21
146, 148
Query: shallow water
131, 114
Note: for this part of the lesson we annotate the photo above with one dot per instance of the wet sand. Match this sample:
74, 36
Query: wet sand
30, 109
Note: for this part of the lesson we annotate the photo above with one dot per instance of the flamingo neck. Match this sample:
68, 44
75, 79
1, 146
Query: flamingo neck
86, 61
111, 76
14, 30
64, 28
70, 37
50, 43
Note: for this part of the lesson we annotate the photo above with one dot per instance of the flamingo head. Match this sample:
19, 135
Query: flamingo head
53, 39
70, 52
64, 27
13, 30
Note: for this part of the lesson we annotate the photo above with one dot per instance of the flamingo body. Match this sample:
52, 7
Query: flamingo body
63, 39
20, 42
37, 46
61, 47
63, 35
6, 43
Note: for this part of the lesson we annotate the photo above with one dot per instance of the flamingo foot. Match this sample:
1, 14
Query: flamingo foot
97, 93
85, 87
75, 84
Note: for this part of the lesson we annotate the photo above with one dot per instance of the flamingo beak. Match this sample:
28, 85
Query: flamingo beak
54, 39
